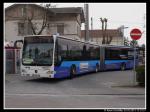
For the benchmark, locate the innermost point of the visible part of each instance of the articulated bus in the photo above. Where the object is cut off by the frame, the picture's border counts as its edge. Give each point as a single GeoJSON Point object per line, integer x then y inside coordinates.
{"type": "Point", "coordinates": [59, 57]}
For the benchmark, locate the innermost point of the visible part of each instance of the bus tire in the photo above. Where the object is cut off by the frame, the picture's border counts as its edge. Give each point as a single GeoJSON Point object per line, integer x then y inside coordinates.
{"type": "Point", "coordinates": [123, 66]}
{"type": "Point", "coordinates": [97, 68]}
{"type": "Point", "coordinates": [72, 71]}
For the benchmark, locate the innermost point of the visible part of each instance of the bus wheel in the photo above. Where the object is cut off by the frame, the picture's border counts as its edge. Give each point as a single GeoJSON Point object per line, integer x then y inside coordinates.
{"type": "Point", "coordinates": [97, 68]}
{"type": "Point", "coordinates": [123, 66]}
{"type": "Point", "coordinates": [72, 71]}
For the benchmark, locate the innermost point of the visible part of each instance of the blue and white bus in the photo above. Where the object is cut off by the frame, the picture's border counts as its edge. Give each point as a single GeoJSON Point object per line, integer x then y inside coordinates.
{"type": "Point", "coordinates": [118, 57]}
{"type": "Point", "coordinates": [59, 57]}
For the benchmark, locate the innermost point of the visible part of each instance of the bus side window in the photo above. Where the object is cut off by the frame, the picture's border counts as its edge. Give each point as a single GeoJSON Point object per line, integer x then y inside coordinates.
{"type": "Point", "coordinates": [63, 52]}
{"type": "Point", "coordinates": [107, 53]}
{"type": "Point", "coordinates": [131, 54]}
{"type": "Point", "coordinates": [84, 51]}
{"type": "Point", "coordinates": [74, 51]}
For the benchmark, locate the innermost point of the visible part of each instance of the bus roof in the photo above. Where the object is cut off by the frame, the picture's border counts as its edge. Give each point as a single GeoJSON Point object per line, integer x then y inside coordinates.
{"type": "Point", "coordinates": [88, 42]}
{"type": "Point", "coordinates": [63, 38]}
{"type": "Point", "coordinates": [116, 46]}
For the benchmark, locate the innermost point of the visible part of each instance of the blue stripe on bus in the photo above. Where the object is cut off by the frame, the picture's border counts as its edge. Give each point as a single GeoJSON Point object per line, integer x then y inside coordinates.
{"type": "Point", "coordinates": [64, 69]}
{"type": "Point", "coordinates": [116, 64]}
{"type": "Point", "coordinates": [77, 63]}
{"type": "Point", "coordinates": [115, 61]}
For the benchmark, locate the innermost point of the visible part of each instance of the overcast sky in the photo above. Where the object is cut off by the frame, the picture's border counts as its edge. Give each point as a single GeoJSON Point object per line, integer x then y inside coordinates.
{"type": "Point", "coordinates": [130, 15]}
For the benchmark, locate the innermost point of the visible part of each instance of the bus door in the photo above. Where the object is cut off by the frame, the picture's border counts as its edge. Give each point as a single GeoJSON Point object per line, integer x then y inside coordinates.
{"type": "Point", "coordinates": [102, 58]}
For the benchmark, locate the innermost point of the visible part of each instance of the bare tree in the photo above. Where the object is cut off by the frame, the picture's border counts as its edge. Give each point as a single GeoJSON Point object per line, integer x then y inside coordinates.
{"type": "Point", "coordinates": [109, 39]}
{"type": "Point", "coordinates": [105, 32]}
{"type": "Point", "coordinates": [106, 38]}
{"type": "Point", "coordinates": [34, 25]}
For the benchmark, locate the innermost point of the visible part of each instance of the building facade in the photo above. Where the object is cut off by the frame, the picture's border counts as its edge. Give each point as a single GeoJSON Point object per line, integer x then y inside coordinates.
{"type": "Point", "coordinates": [65, 21]}
{"type": "Point", "coordinates": [97, 36]}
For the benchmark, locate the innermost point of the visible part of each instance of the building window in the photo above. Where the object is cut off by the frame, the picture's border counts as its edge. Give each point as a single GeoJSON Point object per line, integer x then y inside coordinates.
{"type": "Point", "coordinates": [29, 29]}
{"type": "Point", "coordinates": [21, 27]}
{"type": "Point", "coordinates": [60, 29]}
{"type": "Point", "coordinates": [22, 12]}
{"type": "Point", "coordinates": [78, 31]}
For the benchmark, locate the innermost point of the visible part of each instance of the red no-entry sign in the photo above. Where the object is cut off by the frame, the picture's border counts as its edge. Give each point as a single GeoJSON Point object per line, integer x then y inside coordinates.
{"type": "Point", "coordinates": [135, 34]}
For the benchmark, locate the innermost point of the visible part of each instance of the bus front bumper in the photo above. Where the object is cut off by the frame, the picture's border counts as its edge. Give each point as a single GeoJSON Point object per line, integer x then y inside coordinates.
{"type": "Point", "coordinates": [38, 72]}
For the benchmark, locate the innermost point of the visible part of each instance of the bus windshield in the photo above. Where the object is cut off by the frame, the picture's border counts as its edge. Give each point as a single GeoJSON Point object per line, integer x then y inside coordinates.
{"type": "Point", "coordinates": [38, 51]}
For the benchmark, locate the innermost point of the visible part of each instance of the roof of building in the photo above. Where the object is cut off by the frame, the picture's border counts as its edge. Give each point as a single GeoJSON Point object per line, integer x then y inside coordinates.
{"type": "Point", "coordinates": [69, 10]}
{"type": "Point", "coordinates": [16, 4]}
{"type": "Point", "coordinates": [99, 34]}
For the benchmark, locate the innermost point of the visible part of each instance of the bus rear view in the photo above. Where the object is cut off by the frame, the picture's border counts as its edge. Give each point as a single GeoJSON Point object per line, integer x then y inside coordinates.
{"type": "Point", "coordinates": [37, 56]}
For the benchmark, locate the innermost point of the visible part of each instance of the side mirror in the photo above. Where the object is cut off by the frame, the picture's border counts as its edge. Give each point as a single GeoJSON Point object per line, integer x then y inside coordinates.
{"type": "Point", "coordinates": [17, 41]}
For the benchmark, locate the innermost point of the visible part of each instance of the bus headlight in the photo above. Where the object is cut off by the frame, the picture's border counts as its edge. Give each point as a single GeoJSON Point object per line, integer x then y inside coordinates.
{"type": "Point", "coordinates": [51, 72]}
{"type": "Point", "coordinates": [48, 72]}
{"type": "Point", "coordinates": [23, 70]}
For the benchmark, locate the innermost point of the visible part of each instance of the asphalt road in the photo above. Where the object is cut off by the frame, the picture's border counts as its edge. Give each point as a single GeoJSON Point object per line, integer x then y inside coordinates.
{"type": "Point", "coordinates": [113, 89]}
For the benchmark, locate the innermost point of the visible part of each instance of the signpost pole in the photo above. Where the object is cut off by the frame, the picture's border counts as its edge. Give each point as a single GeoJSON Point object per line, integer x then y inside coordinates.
{"type": "Point", "coordinates": [134, 79]}
{"type": "Point", "coordinates": [135, 35]}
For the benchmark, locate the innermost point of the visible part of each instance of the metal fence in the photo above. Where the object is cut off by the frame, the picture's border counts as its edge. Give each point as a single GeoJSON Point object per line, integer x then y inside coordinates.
{"type": "Point", "coordinates": [12, 60]}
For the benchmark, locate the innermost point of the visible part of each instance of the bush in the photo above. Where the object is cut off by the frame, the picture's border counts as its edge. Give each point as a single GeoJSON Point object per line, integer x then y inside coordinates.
{"type": "Point", "coordinates": [140, 75]}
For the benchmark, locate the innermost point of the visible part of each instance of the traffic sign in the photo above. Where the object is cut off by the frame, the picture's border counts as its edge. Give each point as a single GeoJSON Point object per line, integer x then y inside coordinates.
{"type": "Point", "coordinates": [135, 34]}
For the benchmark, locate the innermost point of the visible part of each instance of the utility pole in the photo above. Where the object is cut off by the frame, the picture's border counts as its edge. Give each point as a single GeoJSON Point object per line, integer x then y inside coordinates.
{"type": "Point", "coordinates": [144, 26]}
{"type": "Point", "coordinates": [91, 29]}
{"type": "Point", "coordinates": [122, 30]}
{"type": "Point", "coordinates": [86, 9]}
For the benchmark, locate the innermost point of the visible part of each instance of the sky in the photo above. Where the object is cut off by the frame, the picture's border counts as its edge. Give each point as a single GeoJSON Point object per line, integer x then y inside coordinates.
{"type": "Point", "coordinates": [131, 15]}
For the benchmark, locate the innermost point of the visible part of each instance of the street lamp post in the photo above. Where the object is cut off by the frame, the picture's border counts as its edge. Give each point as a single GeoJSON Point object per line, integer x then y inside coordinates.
{"type": "Point", "coordinates": [122, 30]}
